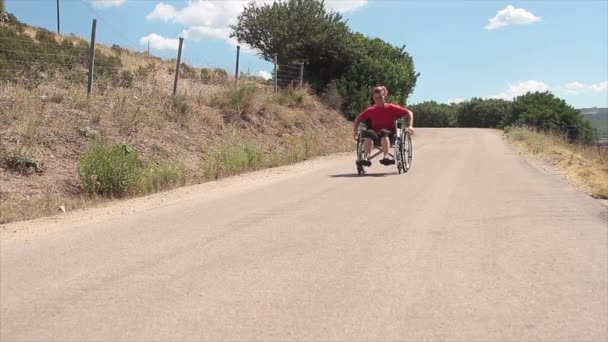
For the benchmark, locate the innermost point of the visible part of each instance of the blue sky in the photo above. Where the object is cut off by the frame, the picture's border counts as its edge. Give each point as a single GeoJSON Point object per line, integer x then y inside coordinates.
{"type": "Point", "coordinates": [461, 48]}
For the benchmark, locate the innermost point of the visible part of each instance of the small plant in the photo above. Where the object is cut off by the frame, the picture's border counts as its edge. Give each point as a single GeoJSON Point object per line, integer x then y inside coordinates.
{"type": "Point", "coordinates": [185, 71]}
{"type": "Point", "coordinates": [232, 158]}
{"type": "Point", "coordinates": [90, 133]}
{"type": "Point", "coordinates": [125, 80]}
{"type": "Point", "coordinates": [116, 49]}
{"type": "Point", "coordinates": [112, 170]}
{"type": "Point", "coordinates": [45, 36]}
{"type": "Point", "coordinates": [161, 175]}
{"type": "Point", "coordinates": [180, 105]}
{"type": "Point", "coordinates": [214, 76]}
{"type": "Point", "coordinates": [238, 100]}
{"type": "Point", "coordinates": [20, 162]}
{"type": "Point", "coordinates": [292, 97]}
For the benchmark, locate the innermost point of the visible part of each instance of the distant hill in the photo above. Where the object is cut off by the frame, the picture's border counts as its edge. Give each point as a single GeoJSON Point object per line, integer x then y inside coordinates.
{"type": "Point", "coordinates": [598, 117]}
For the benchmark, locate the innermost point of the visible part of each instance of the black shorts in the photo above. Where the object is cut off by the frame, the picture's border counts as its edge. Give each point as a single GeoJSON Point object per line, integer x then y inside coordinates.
{"type": "Point", "coordinates": [376, 136]}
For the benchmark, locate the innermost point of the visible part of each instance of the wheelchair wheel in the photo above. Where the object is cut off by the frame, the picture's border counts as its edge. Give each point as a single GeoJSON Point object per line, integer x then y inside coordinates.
{"type": "Point", "coordinates": [400, 155]}
{"type": "Point", "coordinates": [407, 151]}
{"type": "Point", "coordinates": [360, 156]}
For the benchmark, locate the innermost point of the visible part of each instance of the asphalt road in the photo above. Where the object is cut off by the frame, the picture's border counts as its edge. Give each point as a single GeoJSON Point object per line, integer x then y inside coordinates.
{"type": "Point", "coordinates": [473, 244]}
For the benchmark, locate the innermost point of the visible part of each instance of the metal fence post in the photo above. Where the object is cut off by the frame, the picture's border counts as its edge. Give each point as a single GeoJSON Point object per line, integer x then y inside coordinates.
{"type": "Point", "coordinates": [301, 74]}
{"type": "Point", "coordinates": [92, 58]}
{"type": "Point", "coordinates": [179, 59]}
{"type": "Point", "coordinates": [276, 71]}
{"type": "Point", "coordinates": [597, 141]}
{"type": "Point", "coordinates": [58, 22]}
{"type": "Point", "coordinates": [236, 75]}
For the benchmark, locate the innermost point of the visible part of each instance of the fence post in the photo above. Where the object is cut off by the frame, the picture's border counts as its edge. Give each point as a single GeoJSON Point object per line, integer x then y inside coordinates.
{"type": "Point", "coordinates": [92, 58]}
{"type": "Point", "coordinates": [236, 74]}
{"type": "Point", "coordinates": [58, 25]}
{"type": "Point", "coordinates": [301, 74]}
{"type": "Point", "coordinates": [276, 75]}
{"type": "Point", "coordinates": [179, 59]}
{"type": "Point", "coordinates": [597, 142]}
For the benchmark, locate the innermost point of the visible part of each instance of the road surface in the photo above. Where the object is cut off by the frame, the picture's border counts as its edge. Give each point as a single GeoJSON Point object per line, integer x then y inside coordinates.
{"type": "Point", "coordinates": [474, 244]}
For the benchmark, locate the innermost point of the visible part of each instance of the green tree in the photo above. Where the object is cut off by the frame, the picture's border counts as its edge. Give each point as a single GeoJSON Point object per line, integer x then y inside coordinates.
{"type": "Point", "coordinates": [433, 114]}
{"type": "Point", "coordinates": [548, 112]}
{"type": "Point", "coordinates": [351, 63]}
{"type": "Point", "coordinates": [487, 113]}
{"type": "Point", "coordinates": [297, 30]}
{"type": "Point", "coordinates": [376, 62]}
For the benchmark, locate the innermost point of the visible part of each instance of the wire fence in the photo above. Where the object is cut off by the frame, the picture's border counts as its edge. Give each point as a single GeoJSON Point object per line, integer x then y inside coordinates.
{"type": "Point", "coordinates": [33, 61]}
{"type": "Point", "coordinates": [576, 133]}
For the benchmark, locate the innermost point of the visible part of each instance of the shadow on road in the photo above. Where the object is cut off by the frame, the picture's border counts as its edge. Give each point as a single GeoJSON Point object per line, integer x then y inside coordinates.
{"type": "Point", "coordinates": [354, 175]}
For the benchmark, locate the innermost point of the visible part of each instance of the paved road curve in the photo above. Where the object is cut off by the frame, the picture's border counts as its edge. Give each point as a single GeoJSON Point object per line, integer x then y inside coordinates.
{"type": "Point", "coordinates": [473, 244]}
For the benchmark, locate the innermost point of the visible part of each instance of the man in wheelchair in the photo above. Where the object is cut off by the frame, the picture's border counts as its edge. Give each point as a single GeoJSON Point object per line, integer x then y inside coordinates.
{"type": "Point", "coordinates": [380, 121]}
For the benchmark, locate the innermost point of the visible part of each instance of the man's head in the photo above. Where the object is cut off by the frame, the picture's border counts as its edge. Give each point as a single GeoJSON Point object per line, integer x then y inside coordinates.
{"type": "Point", "coordinates": [379, 94]}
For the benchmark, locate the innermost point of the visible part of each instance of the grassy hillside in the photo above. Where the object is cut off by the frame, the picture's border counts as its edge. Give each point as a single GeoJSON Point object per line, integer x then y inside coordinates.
{"type": "Point", "coordinates": [60, 149]}
{"type": "Point", "coordinates": [583, 165]}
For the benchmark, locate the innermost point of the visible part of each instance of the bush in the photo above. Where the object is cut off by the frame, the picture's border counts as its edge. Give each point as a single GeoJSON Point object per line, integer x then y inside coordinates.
{"type": "Point", "coordinates": [20, 162]}
{"type": "Point", "coordinates": [185, 71]}
{"type": "Point", "coordinates": [292, 97]}
{"type": "Point", "coordinates": [485, 113]}
{"type": "Point", "coordinates": [237, 100]}
{"type": "Point", "coordinates": [433, 114]}
{"type": "Point", "coordinates": [180, 104]}
{"type": "Point", "coordinates": [376, 62]}
{"type": "Point", "coordinates": [231, 158]}
{"type": "Point", "coordinates": [125, 80]}
{"type": "Point", "coordinates": [161, 175]}
{"type": "Point", "coordinates": [214, 76]}
{"type": "Point", "coordinates": [112, 170]}
{"type": "Point", "coordinates": [45, 36]}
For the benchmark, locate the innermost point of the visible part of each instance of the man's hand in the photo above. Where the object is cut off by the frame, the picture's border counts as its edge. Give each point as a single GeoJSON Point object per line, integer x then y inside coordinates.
{"type": "Point", "coordinates": [355, 135]}
{"type": "Point", "coordinates": [411, 129]}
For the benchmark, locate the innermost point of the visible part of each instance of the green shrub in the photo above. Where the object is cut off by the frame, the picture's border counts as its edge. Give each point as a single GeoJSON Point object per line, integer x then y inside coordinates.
{"type": "Point", "coordinates": [232, 158]}
{"type": "Point", "coordinates": [180, 105]}
{"type": "Point", "coordinates": [112, 170]}
{"type": "Point", "coordinates": [242, 97]}
{"type": "Point", "coordinates": [161, 175]}
{"type": "Point", "coordinates": [292, 97]}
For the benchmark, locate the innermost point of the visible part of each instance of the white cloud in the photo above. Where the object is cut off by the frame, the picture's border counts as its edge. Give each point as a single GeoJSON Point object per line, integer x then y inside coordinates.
{"type": "Point", "coordinates": [197, 33]}
{"type": "Point", "coordinates": [265, 75]}
{"type": "Point", "coordinates": [599, 87]}
{"type": "Point", "coordinates": [107, 3]}
{"type": "Point", "coordinates": [345, 6]}
{"type": "Point", "coordinates": [456, 100]}
{"type": "Point", "coordinates": [511, 16]}
{"type": "Point", "coordinates": [159, 42]}
{"type": "Point", "coordinates": [578, 87]}
{"type": "Point", "coordinates": [162, 12]}
{"type": "Point", "coordinates": [521, 88]}
{"type": "Point", "coordinates": [211, 19]}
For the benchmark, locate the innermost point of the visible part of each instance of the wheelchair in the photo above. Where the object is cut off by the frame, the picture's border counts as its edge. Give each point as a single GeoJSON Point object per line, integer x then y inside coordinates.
{"type": "Point", "coordinates": [400, 144]}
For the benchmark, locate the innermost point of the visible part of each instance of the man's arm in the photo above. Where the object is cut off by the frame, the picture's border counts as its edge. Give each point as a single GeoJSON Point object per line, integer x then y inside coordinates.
{"type": "Point", "coordinates": [410, 114]}
{"type": "Point", "coordinates": [403, 111]}
{"type": "Point", "coordinates": [364, 115]}
{"type": "Point", "coordinates": [356, 126]}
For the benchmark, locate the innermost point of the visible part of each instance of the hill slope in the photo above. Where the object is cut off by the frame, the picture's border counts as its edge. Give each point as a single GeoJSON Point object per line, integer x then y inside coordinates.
{"type": "Point", "coordinates": [210, 130]}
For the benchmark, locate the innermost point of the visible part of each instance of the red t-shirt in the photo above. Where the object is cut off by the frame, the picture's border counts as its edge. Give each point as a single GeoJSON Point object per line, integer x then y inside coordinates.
{"type": "Point", "coordinates": [382, 117]}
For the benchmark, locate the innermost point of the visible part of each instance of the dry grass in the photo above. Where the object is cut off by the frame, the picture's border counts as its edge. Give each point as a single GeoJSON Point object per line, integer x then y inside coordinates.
{"type": "Point", "coordinates": [584, 165]}
{"type": "Point", "coordinates": [211, 130]}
